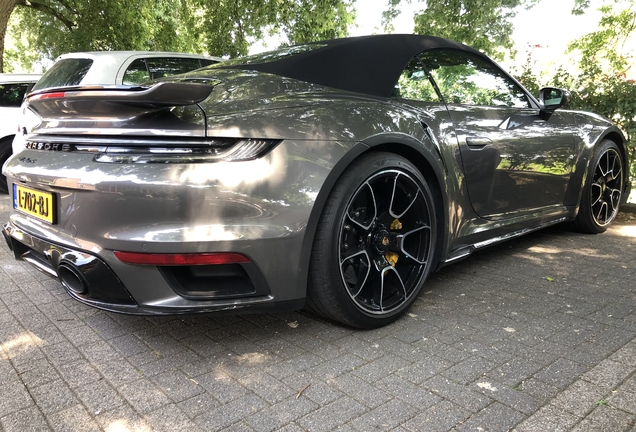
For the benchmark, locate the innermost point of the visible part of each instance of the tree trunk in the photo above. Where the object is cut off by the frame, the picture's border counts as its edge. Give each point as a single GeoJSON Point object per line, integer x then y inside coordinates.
{"type": "Point", "coordinates": [6, 7]}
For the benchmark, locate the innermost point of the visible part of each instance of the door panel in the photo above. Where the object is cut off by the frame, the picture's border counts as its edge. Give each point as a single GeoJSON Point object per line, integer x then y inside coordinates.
{"type": "Point", "coordinates": [514, 161]}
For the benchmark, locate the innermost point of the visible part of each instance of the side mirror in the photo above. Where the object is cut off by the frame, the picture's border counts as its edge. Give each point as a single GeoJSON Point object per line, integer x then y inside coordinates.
{"type": "Point", "coordinates": [552, 98]}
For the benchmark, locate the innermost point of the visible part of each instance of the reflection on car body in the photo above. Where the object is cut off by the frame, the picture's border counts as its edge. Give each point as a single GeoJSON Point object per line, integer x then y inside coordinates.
{"type": "Point", "coordinates": [277, 181]}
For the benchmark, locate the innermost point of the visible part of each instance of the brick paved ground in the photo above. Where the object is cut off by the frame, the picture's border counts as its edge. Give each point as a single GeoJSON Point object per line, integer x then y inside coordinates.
{"type": "Point", "coordinates": [536, 334]}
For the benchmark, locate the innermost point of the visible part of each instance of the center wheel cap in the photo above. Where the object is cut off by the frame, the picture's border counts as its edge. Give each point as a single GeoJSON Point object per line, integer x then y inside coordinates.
{"type": "Point", "coordinates": [381, 241]}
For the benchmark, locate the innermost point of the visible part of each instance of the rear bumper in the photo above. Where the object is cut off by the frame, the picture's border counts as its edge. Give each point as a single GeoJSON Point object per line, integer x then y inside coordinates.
{"type": "Point", "coordinates": [90, 280]}
{"type": "Point", "coordinates": [85, 276]}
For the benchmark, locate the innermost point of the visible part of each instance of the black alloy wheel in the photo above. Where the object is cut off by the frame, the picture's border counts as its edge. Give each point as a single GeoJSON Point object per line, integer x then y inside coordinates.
{"type": "Point", "coordinates": [602, 194]}
{"type": "Point", "coordinates": [375, 243]}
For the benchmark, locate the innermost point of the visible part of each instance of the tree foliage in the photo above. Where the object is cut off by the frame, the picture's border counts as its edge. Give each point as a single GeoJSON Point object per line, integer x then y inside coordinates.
{"type": "Point", "coordinates": [600, 85]}
{"type": "Point", "coordinates": [218, 27]}
{"type": "Point", "coordinates": [229, 27]}
{"type": "Point", "coordinates": [483, 24]}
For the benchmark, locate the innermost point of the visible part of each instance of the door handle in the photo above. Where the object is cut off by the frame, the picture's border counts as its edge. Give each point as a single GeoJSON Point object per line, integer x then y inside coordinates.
{"type": "Point", "coordinates": [478, 142]}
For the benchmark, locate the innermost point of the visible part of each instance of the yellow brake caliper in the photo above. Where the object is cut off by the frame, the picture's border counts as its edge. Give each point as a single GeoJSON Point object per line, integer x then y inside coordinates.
{"type": "Point", "coordinates": [392, 257]}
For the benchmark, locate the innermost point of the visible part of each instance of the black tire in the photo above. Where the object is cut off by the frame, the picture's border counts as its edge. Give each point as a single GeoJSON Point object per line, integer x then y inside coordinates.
{"type": "Point", "coordinates": [352, 278]}
{"type": "Point", "coordinates": [602, 191]}
{"type": "Point", "coordinates": [5, 153]}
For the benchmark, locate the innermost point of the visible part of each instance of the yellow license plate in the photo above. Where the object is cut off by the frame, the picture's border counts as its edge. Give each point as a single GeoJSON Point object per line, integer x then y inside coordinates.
{"type": "Point", "coordinates": [37, 203]}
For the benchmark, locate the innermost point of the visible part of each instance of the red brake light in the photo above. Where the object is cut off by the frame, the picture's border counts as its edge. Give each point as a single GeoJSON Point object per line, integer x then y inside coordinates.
{"type": "Point", "coordinates": [55, 95]}
{"type": "Point", "coordinates": [181, 259]}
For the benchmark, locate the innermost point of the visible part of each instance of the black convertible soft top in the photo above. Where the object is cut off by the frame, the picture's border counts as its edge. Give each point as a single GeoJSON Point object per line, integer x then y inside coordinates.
{"type": "Point", "coordinates": [365, 64]}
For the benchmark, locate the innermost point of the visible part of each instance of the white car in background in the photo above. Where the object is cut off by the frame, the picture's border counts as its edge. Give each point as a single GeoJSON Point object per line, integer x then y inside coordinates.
{"type": "Point", "coordinates": [109, 68]}
{"type": "Point", "coordinates": [13, 87]}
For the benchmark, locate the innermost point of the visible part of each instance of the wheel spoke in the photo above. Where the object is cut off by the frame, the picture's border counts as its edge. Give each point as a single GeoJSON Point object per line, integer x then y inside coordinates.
{"type": "Point", "coordinates": [363, 262]}
{"type": "Point", "coordinates": [597, 193]}
{"type": "Point", "coordinates": [383, 274]}
{"type": "Point", "coordinates": [355, 213]}
{"type": "Point", "coordinates": [400, 245]}
{"type": "Point", "coordinates": [391, 211]}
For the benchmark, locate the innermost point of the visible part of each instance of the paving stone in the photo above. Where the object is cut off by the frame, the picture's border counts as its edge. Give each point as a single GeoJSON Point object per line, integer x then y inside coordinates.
{"type": "Point", "coordinates": [580, 398]}
{"type": "Point", "coordinates": [54, 397]}
{"type": "Point", "coordinates": [623, 400]}
{"type": "Point", "coordinates": [37, 372]}
{"type": "Point", "coordinates": [424, 369]}
{"type": "Point", "coordinates": [469, 370]}
{"type": "Point", "coordinates": [238, 427]}
{"type": "Point", "coordinates": [457, 393]}
{"type": "Point", "coordinates": [364, 349]}
{"type": "Point", "coordinates": [515, 371]}
{"type": "Point", "coordinates": [332, 368]}
{"type": "Point", "coordinates": [511, 397]}
{"type": "Point", "coordinates": [608, 373]}
{"type": "Point", "coordinates": [118, 372]}
{"type": "Point", "coordinates": [313, 388]}
{"type": "Point", "coordinates": [332, 415]}
{"type": "Point", "coordinates": [605, 418]}
{"type": "Point", "coordinates": [407, 392]}
{"type": "Point", "coordinates": [78, 373]}
{"type": "Point", "coordinates": [177, 386]}
{"type": "Point", "coordinates": [495, 417]}
{"type": "Point", "coordinates": [493, 354]}
{"type": "Point", "coordinates": [548, 418]}
{"type": "Point", "coordinates": [27, 419]}
{"type": "Point", "coordinates": [561, 373]}
{"type": "Point", "coordinates": [278, 415]}
{"type": "Point", "coordinates": [143, 395]}
{"type": "Point", "coordinates": [440, 417]}
{"type": "Point", "coordinates": [123, 418]}
{"type": "Point", "coordinates": [358, 389]}
{"type": "Point", "coordinates": [199, 404]}
{"type": "Point", "coordinates": [267, 387]}
{"type": "Point", "coordinates": [222, 386]}
{"type": "Point", "coordinates": [73, 419]}
{"type": "Point", "coordinates": [99, 397]}
{"type": "Point", "coordinates": [385, 417]}
{"type": "Point", "coordinates": [625, 355]}
{"type": "Point", "coordinates": [380, 368]}
{"type": "Point", "coordinates": [291, 366]}
{"type": "Point", "coordinates": [231, 412]}
{"type": "Point", "coordinates": [169, 418]}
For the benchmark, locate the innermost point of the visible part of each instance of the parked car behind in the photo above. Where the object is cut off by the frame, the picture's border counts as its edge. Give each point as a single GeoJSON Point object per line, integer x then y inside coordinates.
{"type": "Point", "coordinates": [109, 68]}
{"type": "Point", "coordinates": [13, 87]}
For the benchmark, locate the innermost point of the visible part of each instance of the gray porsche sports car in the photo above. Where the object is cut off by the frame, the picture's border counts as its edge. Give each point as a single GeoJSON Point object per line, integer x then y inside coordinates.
{"type": "Point", "coordinates": [334, 175]}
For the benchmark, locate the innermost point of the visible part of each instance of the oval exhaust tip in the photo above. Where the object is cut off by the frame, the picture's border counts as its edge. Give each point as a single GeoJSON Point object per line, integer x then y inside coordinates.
{"type": "Point", "coordinates": [72, 279]}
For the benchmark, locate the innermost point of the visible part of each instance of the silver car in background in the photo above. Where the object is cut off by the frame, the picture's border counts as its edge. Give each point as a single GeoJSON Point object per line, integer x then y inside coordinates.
{"type": "Point", "coordinates": [334, 175]}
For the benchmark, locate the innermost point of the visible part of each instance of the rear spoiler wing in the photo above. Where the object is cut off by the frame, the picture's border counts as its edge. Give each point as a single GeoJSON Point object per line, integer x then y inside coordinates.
{"type": "Point", "coordinates": [163, 94]}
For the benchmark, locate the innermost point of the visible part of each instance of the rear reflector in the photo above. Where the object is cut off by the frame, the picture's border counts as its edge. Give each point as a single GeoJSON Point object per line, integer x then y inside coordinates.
{"type": "Point", "coordinates": [181, 259]}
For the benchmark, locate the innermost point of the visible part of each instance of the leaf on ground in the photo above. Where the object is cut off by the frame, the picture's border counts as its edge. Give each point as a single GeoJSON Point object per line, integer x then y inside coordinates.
{"type": "Point", "coordinates": [550, 279]}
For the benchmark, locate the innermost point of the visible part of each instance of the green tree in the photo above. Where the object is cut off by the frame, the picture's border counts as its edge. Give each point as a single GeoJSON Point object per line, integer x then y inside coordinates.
{"type": "Point", "coordinates": [229, 28]}
{"type": "Point", "coordinates": [602, 86]}
{"type": "Point", "coordinates": [219, 27]}
{"type": "Point", "coordinates": [483, 24]}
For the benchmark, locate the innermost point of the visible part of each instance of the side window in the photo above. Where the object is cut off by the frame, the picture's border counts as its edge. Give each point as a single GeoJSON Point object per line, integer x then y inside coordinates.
{"type": "Point", "coordinates": [136, 73]}
{"type": "Point", "coordinates": [466, 79]}
{"type": "Point", "coordinates": [414, 84]}
{"type": "Point", "coordinates": [165, 67]}
{"type": "Point", "coordinates": [11, 95]}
